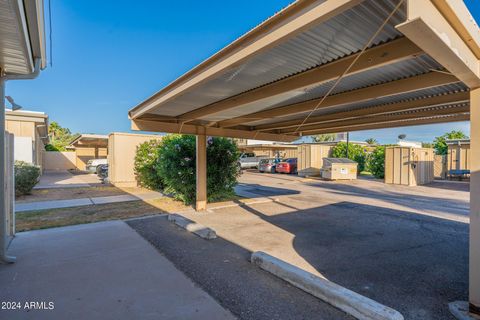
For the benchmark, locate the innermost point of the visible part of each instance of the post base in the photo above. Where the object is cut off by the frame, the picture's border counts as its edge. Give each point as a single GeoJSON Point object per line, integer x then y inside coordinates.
{"type": "Point", "coordinates": [461, 311]}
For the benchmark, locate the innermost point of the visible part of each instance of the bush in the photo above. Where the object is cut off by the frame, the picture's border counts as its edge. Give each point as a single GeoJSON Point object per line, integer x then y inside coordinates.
{"type": "Point", "coordinates": [176, 167]}
{"type": "Point", "coordinates": [26, 177]}
{"type": "Point", "coordinates": [146, 161]}
{"type": "Point", "coordinates": [355, 153]}
{"type": "Point", "coordinates": [376, 162]}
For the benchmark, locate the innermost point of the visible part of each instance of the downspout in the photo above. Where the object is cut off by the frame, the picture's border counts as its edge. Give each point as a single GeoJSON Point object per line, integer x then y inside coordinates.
{"type": "Point", "coordinates": [4, 258]}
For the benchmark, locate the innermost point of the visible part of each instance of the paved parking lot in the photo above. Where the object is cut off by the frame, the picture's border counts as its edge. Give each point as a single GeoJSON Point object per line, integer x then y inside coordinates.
{"type": "Point", "coordinates": [405, 247]}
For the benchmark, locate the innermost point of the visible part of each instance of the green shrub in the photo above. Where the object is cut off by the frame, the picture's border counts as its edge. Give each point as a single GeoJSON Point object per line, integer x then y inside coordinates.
{"type": "Point", "coordinates": [146, 160]}
{"type": "Point", "coordinates": [26, 177]}
{"type": "Point", "coordinates": [51, 147]}
{"type": "Point", "coordinates": [176, 167]}
{"type": "Point", "coordinates": [355, 153]}
{"type": "Point", "coordinates": [376, 162]}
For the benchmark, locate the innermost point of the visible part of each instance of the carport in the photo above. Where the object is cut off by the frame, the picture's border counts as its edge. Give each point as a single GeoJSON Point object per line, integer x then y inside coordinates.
{"type": "Point", "coordinates": [334, 66]}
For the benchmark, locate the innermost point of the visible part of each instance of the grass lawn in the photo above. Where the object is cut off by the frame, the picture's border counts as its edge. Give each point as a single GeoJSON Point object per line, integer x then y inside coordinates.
{"type": "Point", "coordinates": [41, 219]}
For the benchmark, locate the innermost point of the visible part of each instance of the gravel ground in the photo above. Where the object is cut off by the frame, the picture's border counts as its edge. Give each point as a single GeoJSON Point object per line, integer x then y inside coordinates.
{"type": "Point", "coordinates": [224, 271]}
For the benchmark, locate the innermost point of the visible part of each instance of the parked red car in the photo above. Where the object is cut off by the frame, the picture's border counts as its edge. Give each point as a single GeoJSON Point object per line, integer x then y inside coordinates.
{"type": "Point", "coordinates": [287, 166]}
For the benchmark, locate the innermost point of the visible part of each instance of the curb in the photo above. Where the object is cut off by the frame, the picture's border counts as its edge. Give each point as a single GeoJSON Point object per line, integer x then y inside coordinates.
{"type": "Point", "coordinates": [191, 226]}
{"type": "Point", "coordinates": [459, 309]}
{"type": "Point", "coordinates": [346, 300]}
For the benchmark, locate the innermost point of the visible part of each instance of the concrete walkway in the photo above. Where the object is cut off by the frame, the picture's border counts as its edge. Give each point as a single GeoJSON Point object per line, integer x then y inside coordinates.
{"type": "Point", "coordinates": [56, 204]}
{"type": "Point", "coordinates": [99, 271]}
{"type": "Point", "coordinates": [63, 179]}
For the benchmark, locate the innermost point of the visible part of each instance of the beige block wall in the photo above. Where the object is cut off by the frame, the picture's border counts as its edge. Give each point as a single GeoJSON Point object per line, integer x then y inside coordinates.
{"type": "Point", "coordinates": [121, 157]}
{"type": "Point", "coordinates": [27, 129]}
{"type": "Point", "coordinates": [53, 160]}
{"type": "Point", "coordinates": [21, 128]}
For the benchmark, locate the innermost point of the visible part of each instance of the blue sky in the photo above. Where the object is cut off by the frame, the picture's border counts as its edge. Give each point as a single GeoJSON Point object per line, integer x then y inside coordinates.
{"type": "Point", "coordinates": [110, 55]}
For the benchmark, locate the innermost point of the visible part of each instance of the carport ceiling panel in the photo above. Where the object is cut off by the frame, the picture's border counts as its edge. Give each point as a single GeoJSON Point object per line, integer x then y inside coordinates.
{"type": "Point", "coordinates": [440, 90]}
{"type": "Point", "coordinates": [392, 72]}
{"type": "Point", "coordinates": [340, 36]}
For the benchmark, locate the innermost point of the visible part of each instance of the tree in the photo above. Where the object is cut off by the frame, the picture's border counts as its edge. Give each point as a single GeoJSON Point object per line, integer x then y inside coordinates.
{"type": "Point", "coordinates": [59, 137]}
{"type": "Point", "coordinates": [355, 153]}
{"type": "Point", "coordinates": [323, 137]}
{"type": "Point", "coordinates": [376, 162]}
{"type": "Point", "coordinates": [440, 145]}
{"type": "Point", "coordinates": [371, 141]}
{"type": "Point", "coordinates": [176, 167]}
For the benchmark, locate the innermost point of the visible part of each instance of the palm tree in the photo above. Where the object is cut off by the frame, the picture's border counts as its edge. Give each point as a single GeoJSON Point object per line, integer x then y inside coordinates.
{"type": "Point", "coordinates": [371, 141]}
{"type": "Point", "coordinates": [323, 137]}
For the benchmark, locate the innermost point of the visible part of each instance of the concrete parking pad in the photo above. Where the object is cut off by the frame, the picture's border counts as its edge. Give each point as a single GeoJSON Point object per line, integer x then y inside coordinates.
{"type": "Point", "coordinates": [99, 271]}
{"type": "Point", "coordinates": [64, 179]}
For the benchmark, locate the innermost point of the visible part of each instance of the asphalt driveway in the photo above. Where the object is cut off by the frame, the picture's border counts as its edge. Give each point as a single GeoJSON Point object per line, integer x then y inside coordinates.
{"type": "Point", "coordinates": [404, 247]}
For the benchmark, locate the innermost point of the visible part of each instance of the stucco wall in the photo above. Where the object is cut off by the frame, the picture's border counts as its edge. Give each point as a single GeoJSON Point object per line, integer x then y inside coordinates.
{"type": "Point", "coordinates": [53, 160]}
{"type": "Point", "coordinates": [121, 156]}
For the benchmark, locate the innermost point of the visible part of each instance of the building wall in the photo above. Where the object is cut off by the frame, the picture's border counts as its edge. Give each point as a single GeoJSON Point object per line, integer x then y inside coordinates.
{"type": "Point", "coordinates": [121, 157]}
{"type": "Point", "coordinates": [56, 160]}
{"type": "Point", "coordinates": [26, 129]}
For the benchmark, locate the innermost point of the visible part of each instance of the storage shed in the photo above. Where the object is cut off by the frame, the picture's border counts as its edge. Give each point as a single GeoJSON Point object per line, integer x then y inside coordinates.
{"type": "Point", "coordinates": [458, 156]}
{"type": "Point", "coordinates": [310, 158]}
{"type": "Point", "coordinates": [409, 166]}
{"type": "Point", "coordinates": [339, 169]}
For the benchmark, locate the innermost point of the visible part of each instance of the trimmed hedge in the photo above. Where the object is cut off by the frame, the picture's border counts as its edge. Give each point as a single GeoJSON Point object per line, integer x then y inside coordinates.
{"type": "Point", "coordinates": [171, 164]}
{"type": "Point", "coordinates": [376, 162]}
{"type": "Point", "coordinates": [26, 177]}
{"type": "Point", "coordinates": [146, 160]}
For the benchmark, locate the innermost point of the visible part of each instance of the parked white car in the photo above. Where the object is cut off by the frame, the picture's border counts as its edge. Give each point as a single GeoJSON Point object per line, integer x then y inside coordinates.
{"type": "Point", "coordinates": [249, 160]}
{"type": "Point", "coordinates": [93, 164]}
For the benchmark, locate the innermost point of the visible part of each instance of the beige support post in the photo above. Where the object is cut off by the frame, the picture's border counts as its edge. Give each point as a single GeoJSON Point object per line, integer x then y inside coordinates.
{"type": "Point", "coordinates": [201, 170]}
{"type": "Point", "coordinates": [474, 294]}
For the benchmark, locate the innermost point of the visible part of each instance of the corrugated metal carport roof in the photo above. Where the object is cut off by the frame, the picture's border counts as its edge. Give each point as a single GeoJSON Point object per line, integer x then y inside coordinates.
{"type": "Point", "coordinates": [266, 85]}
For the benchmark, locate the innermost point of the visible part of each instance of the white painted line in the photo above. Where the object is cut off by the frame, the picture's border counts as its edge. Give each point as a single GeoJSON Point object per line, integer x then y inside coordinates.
{"type": "Point", "coordinates": [344, 299]}
{"type": "Point", "coordinates": [191, 226]}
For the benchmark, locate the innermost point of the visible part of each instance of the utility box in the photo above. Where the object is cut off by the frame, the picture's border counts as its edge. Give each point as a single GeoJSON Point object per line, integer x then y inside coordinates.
{"type": "Point", "coordinates": [409, 166]}
{"type": "Point", "coordinates": [310, 158]}
{"type": "Point", "coordinates": [339, 169]}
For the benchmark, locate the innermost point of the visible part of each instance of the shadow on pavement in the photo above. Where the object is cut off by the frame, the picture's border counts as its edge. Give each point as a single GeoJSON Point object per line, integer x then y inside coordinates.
{"type": "Point", "coordinates": [412, 263]}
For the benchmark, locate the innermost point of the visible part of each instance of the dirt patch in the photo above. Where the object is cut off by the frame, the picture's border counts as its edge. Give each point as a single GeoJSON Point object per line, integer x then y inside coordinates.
{"type": "Point", "coordinates": [69, 193]}
{"type": "Point", "coordinates": [42, 219]}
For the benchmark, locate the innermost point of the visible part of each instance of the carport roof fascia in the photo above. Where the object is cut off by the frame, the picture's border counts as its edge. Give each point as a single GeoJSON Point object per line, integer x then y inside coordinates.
{"type": "Point", "coordinates": [276, 21]}
{"type": "Point", "coordinates": [150, 107]}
